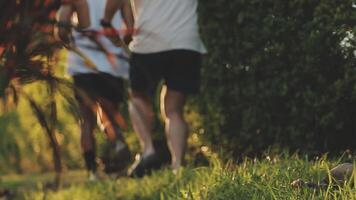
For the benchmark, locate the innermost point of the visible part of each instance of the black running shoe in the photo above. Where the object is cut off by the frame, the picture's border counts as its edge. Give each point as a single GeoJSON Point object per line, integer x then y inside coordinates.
{"type": "Point", "coordinates": [144, 165]}
{"type": "Point", "coordinates": [116, 158]}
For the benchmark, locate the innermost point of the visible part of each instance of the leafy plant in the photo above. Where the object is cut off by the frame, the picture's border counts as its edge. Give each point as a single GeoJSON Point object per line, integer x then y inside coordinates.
{"type": "Point", "coordinates": [26, 48]}
{"type": "Point", "coordinates": [278, 74]}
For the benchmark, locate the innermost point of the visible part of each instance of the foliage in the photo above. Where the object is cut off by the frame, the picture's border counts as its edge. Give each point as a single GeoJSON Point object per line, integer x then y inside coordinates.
{"type": "Point", "coordinates": [24, 146]}
{"type": "Point", "coordinates": [267, 178]}
{"type": "Point", "coordinates": [32, 81]}
{"type": "Point", "coordinates": [279, 73]}
{"type": "Point", "coordinates": [27, 47]}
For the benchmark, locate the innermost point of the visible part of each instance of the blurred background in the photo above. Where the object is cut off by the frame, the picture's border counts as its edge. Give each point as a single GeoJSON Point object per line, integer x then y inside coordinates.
{"type": "Point", "coordinates": [280, 75]}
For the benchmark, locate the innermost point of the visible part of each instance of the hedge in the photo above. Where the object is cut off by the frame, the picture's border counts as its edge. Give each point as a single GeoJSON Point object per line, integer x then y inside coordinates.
{"type": "Point", "coordinates": [279, 73]}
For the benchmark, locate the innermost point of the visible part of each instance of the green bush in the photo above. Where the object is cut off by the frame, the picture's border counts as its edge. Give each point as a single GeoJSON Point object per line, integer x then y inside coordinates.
{"type": "Point", "coordinates": [279, 73]}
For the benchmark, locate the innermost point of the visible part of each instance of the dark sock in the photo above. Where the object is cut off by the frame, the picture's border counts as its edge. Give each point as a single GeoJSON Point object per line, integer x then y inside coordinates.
{"type": "Point", "coordinates": [89, 157]}
{"type": "Point", "coordinates": [118, 134]}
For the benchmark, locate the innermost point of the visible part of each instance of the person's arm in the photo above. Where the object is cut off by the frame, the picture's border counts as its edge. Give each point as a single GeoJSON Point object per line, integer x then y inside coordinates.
{"type": "Point", "coordinates": [126, 12]}
{"type": "Point", "coordinates": [110, 9]}
{"type": "Point", "coordinates": [127, 16]}
{"type": "Point", "coordinates": [64, 18]}
{"type": "Point", "coordinates": [82, 9]}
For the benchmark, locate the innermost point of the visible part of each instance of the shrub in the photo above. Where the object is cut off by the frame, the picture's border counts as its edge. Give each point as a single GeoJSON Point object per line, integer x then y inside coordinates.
{"type": "Point", "coordinates": [279, 73]}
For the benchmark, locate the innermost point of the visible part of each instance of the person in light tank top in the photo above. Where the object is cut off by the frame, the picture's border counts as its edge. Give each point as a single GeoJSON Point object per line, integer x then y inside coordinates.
{"type": "Point", "coordinates": [166, 47]}
{"type": "Point", "coordinates": [100, 91]}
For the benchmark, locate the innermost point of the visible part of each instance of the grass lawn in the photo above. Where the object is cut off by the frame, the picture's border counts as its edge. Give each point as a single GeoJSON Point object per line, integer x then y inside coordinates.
{"type": "Point", "coordinates": [267, 178]}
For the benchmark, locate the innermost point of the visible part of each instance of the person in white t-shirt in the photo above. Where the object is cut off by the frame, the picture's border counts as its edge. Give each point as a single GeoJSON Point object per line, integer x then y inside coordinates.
{"type": "Point", "coordinates": [99, 91]}
{"type": "Point", "coordinates": [166, 46]}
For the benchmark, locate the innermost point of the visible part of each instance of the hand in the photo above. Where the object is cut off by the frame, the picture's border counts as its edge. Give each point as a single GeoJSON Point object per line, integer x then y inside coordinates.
{"type": "Point", "coordinates": [111, 33]}
{"type": "Point", "coordinates": [105, 23]}
{"type": "Point", "coordinates": [127, 39]}
{"type": "Point", "coordinates": [64, 35]}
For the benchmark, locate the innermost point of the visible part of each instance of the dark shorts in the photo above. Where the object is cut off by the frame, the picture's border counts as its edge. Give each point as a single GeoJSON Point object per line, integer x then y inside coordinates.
{"type": "Point", "coordinates": [179, 69]}
{"type": "Point", "coordinates": [100, 85]}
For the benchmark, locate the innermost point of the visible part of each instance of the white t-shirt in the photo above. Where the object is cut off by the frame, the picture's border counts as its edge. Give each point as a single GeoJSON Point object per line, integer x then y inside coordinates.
{"type": "Point", "coordinates": [76, 64]}
{"type": "Point", "coordinates": [163, 25]}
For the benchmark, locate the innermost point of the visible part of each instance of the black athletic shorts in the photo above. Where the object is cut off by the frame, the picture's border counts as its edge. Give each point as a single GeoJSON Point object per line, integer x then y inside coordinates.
{"type": "Point", "coordinates": [101, 85]}
{"type": "Point", "coordinates": [179, 69]}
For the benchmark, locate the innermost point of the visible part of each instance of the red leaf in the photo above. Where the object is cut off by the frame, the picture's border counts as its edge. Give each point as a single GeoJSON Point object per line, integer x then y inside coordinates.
{"type": "Point", "coordinates": [2, 50]}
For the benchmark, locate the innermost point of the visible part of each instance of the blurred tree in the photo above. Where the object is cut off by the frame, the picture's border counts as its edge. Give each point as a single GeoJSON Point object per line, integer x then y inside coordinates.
{"type": "Point", "coordinates": [26, 47]}
{"type": "Point", "coordinates": [279, 73]}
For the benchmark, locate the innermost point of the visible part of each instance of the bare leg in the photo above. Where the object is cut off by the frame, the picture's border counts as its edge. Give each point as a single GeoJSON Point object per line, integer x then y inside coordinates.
{"type": "Point", "coordinates": [141, 115]}
{"type": "Point", "coordinates": [118, 157]}
{"type": "Point", "coordinates": [87, 139]}
{"type": "Point", "coordinates": [111, 120]}
{"type": "Point", "coordinates": [87, 124]}
{"type": "Point", "coordinates": [172, 104]}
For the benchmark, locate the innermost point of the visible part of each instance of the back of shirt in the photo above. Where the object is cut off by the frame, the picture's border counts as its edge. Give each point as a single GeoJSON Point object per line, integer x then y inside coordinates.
{"type": "Point", "coordinates": [76, 64]}
{"type": "Point", "coordinates": [166, 25]}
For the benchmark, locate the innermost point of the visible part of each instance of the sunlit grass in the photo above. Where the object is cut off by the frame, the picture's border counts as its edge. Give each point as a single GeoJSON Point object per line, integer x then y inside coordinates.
{"type": "Point", "coordinates": [258, 179]}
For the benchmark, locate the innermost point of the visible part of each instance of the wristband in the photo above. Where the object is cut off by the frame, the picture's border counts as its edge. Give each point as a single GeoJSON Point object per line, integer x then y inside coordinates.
{"type": "Point", "coordinates": [105, 23]}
